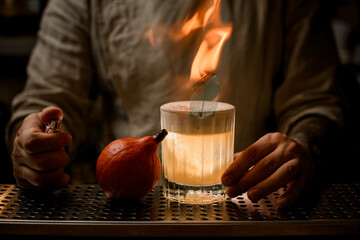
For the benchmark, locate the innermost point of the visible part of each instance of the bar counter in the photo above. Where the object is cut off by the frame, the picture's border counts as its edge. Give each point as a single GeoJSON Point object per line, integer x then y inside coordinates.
{"type": "Point", "coordinates": [83, 210]}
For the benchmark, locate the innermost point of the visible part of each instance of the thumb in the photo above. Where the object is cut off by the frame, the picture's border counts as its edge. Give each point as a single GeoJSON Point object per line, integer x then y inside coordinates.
{"type": "Point", "coordinates": [50, 113]}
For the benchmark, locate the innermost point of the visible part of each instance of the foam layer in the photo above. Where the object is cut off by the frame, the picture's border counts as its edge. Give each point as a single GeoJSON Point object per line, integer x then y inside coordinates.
{"type": "Point", "coordinates": [184, 106]}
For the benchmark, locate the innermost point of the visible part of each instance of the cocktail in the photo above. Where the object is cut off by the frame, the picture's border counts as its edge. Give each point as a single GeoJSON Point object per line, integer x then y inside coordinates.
{"type": "Point", "coordinates": [196, 151]}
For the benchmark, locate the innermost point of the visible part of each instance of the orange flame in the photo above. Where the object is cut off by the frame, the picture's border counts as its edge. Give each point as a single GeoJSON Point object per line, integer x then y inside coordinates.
{"type": "Point", "coordinates": [216, 33]}
{"type": "Point", "coordinates": [208, 55]}
{"type": "Point", "coordinates": [190, 25]}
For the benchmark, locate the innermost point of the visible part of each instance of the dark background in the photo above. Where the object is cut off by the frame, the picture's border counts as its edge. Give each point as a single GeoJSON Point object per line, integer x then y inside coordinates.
{"type": "Point", "coordinates": [19, 22]}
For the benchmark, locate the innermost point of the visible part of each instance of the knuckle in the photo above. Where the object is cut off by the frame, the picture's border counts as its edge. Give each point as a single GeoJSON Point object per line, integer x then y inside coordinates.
{"type": "Point", "coordinates": [17, 162]}
{"type": "Point", "coordinates": [40, 166]}
{"type": "Point", "coordinates": [15, 154]}
{"type": "Point", "coordinates": [268, 164]}
{"type": "Point", "coordinates": [29, 143]}
{"type": "Point", "coordinates": [290, 171]}
{"type": "Point", "coordinates": [252, 153]}
{"type": "Point", "coordinates": [38, 180]}
{"type": "Point", "coordinates": [16, 171]}
{"type": "Point", "coordinates": [291, 147]}
{"type": "Point", "coordinates": [277, 136]}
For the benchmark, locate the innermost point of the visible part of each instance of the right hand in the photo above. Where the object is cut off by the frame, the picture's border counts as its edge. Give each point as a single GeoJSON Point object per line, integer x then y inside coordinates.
{"type": "Point", "coordinates": [38, 157]}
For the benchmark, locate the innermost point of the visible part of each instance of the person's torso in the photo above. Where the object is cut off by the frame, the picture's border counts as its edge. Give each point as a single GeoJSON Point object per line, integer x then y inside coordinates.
{"type": "Point", "coordinates": [147, 73]}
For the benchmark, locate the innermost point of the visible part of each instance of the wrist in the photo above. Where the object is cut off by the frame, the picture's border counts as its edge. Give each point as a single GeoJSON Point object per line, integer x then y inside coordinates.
{"type": "Point", "coordinates": [317, 133]}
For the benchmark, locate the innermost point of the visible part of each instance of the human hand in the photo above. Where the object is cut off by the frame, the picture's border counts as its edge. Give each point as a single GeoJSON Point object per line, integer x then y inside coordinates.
{"type": "Point", "coordinates": [38, 157]}
{"type": "Point", "coordinates": [273, 161]}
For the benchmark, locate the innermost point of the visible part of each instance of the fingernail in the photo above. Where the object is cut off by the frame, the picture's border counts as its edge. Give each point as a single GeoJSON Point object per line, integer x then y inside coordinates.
{"type": "Point", "coordinates": [226, 181]}
{"type": "Point", "coordinates": [230, 193]}
{"type": "Point", "coordinates": [254, 194]}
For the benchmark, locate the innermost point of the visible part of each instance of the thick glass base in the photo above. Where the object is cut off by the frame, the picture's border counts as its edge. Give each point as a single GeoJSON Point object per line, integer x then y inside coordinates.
{"type": "Point", "coordinates": [194, 194]}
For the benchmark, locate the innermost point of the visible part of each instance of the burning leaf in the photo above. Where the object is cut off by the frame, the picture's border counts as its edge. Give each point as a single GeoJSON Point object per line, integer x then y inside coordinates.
{"type": "Point", "coordinates": [206, 86]}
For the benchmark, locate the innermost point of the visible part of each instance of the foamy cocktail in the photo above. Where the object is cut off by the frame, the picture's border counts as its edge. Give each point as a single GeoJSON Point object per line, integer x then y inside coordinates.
{"type": "Point", "coordinates": [196, 151]}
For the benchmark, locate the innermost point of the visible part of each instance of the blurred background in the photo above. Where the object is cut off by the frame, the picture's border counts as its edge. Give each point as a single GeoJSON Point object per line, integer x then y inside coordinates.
{"type": "Point", "coordinates": [19, 23]}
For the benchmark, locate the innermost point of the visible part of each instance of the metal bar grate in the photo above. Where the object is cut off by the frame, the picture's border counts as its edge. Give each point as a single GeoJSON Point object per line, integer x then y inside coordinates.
{"type": "Point", "coordinates": [87, 203]}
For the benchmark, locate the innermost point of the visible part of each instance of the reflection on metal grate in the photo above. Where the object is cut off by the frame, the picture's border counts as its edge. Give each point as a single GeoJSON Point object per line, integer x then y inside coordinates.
{"type": "Point", "coordinates": [88, 203]}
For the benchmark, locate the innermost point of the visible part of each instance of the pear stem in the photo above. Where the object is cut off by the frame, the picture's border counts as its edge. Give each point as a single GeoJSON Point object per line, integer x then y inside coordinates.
{"type": "Point", "coordinates": [160, 136]}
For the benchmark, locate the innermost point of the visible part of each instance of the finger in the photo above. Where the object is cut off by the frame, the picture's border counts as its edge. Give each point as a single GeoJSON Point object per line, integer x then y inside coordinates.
{"type": "Point", "coordinates": [42, 180]}
{"type": "Point", "coordinates": [32, 122]}
{"type": "Point", "coordinates": [237, 168]}
{"type": "Point", "coordinates": [46, 161]}
{"type": "Point", "coordinates": [293, 191]}
{"type": "Point", "coordinates": [17, 171]}
{"type": "Point", "coordinates": [264, 168]}
{"type": "Point", "coordinates": [23, 183]}
{"type": "Point", "coordinates": [236, 155]}
{"type": "Point", "coordinates": [285, 174]}
{"type": "Point", "coordinates": [50, 113]}
{"type": "Point", "coordinates": [36, 142]}
{"type": "Point", "coordinates": [38, 121]}
{"type": "Point", "coordinates": [62, 182]}
{"type": "Point", "coordinates": [248, 158]}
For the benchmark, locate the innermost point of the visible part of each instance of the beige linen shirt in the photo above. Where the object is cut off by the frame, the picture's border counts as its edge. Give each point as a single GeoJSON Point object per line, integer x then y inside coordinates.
{"type": "Point", "coordinates": [277, 67]}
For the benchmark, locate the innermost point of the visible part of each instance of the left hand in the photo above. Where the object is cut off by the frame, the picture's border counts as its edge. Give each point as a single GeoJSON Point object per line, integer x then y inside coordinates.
{"type": "Point", "coordinates": [273, 161]}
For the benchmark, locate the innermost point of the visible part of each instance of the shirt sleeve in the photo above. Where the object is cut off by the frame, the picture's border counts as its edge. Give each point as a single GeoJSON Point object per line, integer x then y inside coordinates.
{"type": "Point", "coordinates": [309, 84]}
{"type": "Point", "coordinates": [60, 69]}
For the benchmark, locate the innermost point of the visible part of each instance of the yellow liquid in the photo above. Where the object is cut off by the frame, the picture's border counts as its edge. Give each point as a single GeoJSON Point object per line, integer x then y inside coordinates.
{"type": "Point", "coordinates": [197, 160]}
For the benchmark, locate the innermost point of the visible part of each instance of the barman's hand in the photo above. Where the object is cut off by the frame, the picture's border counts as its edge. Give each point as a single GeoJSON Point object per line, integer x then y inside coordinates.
{"type": "Point", "coordinates": [275, 160]}
{"type": "Point", "coordinates": [38, 157]}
